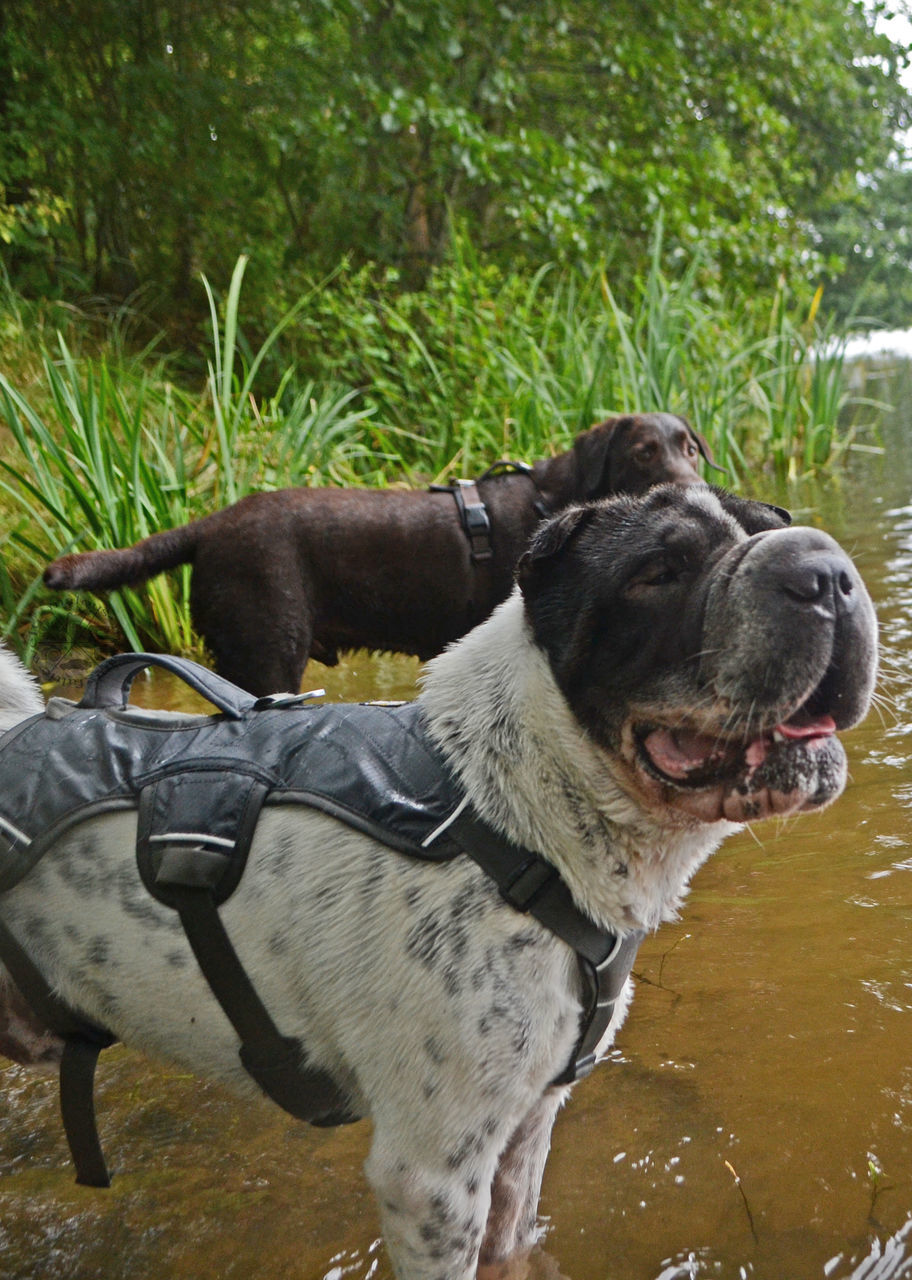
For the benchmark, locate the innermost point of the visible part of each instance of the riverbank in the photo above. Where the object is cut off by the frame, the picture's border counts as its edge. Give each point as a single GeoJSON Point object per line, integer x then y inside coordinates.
{"type": "Point", "coordinates": [362, 384]}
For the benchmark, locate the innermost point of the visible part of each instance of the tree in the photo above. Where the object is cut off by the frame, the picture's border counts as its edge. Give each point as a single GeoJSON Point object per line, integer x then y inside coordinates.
{"type": "Point", "coordinates": [146, 140]}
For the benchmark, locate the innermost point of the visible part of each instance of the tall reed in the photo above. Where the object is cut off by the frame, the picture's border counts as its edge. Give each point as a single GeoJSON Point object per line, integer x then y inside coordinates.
{"type": "Point", "coordinates": [116, 456]}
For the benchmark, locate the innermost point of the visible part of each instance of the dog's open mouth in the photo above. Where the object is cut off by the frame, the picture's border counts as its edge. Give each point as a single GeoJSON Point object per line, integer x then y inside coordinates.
{"type": "Point", "coordinates": [797, 764]}
{"type": "Point", "coordinates": [687, 758]}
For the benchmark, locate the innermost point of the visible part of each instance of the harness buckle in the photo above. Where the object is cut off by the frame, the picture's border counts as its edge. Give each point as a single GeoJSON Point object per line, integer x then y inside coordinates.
{"type": "Point", "coordinates": [475, 519]}
{"type": "Point", "coordinates": [523, 888]}
{"type": "Point", "coordinates": [271, 700]}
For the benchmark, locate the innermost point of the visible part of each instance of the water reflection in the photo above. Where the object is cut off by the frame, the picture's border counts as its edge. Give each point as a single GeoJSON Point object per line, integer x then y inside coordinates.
{"type": "Point", "coordinates": [353, 1264]}
{"type": "Point", "coordinates": [890, 1260]}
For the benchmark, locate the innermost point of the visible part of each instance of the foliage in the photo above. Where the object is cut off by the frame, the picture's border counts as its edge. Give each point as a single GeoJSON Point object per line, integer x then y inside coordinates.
{"type": "Point", "coordinates": [144, 140]}
{"type": "Point", "coordinates": [421, 385]}
{"type": "Point", "coordinates": [482, 363]}
{"type": "Point", "coordinates": [866, 242]}
{"type": "Point", "coordinates": [119, 455]}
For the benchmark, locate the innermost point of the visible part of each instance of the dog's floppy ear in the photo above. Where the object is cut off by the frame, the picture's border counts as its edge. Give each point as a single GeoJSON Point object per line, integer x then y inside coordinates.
{"type": "Point", "coordinates": [753, 516]}
{"type": "Point", "coordinates": [593, 451]}
{"type": "Point", "coordinates": [549, 541]}
{"type": "Point", "coordinates": [703, 445]}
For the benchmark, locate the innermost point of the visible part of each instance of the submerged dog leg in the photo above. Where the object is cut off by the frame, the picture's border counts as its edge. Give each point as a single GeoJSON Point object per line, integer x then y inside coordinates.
{"type": "Point", "coordinates": [512, 1219]}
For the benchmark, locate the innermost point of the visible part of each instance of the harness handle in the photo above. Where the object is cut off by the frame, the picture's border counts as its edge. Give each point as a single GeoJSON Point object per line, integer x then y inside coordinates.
{"type": "Point", "coordinates": [109, 684]}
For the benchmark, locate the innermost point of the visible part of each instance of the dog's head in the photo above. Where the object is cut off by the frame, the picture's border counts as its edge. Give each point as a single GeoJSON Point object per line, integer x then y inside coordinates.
{"type": "Point", "coordinates": [632, 453]}
{"type": "Point", "coordinates": [709, 648]}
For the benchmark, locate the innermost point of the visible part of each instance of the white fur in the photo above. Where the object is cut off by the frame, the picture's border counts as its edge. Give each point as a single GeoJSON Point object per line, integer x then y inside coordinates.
{"type": "Point", "coordinates": [19, 693]}
{"type": "Point", "coordinates": [553, 788]}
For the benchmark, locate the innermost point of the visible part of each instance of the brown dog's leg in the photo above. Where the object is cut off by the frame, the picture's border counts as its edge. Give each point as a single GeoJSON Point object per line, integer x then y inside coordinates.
{"type": "Point", "coordinates": [265, 659]}
{"type": "Point", "coordinates": [256, 619]}
{"type": "Point", "coordinates": [512, 1219]}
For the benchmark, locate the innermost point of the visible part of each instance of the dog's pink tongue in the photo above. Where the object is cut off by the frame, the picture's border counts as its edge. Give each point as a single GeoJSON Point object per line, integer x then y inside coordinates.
{"type": "Point", "coordinates": [678, 753]}
{"type": "Point", "coordinates": [822, 727]}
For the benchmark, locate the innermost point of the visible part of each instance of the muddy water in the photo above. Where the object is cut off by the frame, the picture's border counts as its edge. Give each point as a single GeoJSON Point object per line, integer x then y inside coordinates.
{"type": "Point", "coordinates": [756, 1118]}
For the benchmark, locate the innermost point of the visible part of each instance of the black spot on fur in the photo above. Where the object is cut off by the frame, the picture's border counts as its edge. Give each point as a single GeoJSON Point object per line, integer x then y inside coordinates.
{"type": "Point", "coordinates": [522, 941]}
{"type": "Point", "coordinates": [423, 940]}
{"type": "Point", "coordinates": [282, 857]}
{"type": "Point", "coordinates": [327, 895]}
{"type": "Point", "coordinates": [98, 951]}
{"type": "Point", "coordinates": [468, 1150]}
{"type": "Point", "coordinates": [375, 875]}
{"type": "Point", "coordinates": [77, 867]}
{"type": "Point", "coordinates": [435, 1051]}
{"type": "Point", "coordinates": [278, 943]}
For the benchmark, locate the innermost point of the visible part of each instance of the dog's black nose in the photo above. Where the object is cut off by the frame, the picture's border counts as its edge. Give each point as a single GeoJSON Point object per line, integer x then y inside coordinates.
{"type": "Point", "coordinates": [819, 577]}
{"type": "Point", "coordinates": [787, 613]}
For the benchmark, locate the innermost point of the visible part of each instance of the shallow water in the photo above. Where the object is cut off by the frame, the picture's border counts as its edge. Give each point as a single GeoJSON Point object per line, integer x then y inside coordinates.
{"type": "Point", "coordinates": [754, 1121]}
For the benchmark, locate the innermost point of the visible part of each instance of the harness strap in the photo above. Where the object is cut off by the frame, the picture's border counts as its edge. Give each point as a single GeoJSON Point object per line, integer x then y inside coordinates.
{"type": "Point", "coordinates": [473, 514]}
{"type": "Point", "coordinates": [505, 467]}
{"type": "Point", "coordinates": [475, 519]}
{"type": "Point", "coordinates": [275, 1061]}
{"type": "Point", "coordinates": [530, 884]}
{"type": "Point", "coordinates": [77, 1109]}
{"type": "Point", "coordinates": [83, 1042]}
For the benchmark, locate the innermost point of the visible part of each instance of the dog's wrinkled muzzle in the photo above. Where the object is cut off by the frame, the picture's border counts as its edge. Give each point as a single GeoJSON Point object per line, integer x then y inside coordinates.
{"type": "Point", "coordinates": [787, 657]}
{"type": "Point", "coordinates": [790, 631]}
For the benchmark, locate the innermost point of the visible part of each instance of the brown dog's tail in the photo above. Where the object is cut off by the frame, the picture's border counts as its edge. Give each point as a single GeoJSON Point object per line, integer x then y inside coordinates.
{"type": "Point", "coordinates": [124, 566]}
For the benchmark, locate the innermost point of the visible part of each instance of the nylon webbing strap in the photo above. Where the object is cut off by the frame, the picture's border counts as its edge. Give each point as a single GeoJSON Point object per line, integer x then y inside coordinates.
{"type": "Point", "coordinates": [273, 1060]}
{"type": "Point", "coordinates": [504, 467]}
{"type": "Point", "coordinates": [473, 516]}
{"type": "Point", "coordinates": [605, 983]}
{"type": "Point", "coordinates": [77, 1109]}
{"type": "Point", "coordinates": [475, 519]}
{"type": "Point", "coordinates": [83, 1042]}
{"type": "Point", "coordinates": [530, 884]}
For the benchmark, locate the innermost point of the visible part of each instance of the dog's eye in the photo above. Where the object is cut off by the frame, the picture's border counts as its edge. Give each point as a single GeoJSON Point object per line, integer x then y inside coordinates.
{"type": "Point", "coordinates": [657, 573]}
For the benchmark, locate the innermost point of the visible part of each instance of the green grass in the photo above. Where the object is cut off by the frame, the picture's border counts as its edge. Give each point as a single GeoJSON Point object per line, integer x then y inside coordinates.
{"type": "Point", "coordinates": [361, 383]}
{"type": "Point", "coordinates": [113, 457]}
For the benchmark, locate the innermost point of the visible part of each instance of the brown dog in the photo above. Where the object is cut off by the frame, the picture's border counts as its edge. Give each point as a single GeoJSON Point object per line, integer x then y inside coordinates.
{"type": "Point", "coordinates": [280, 577]}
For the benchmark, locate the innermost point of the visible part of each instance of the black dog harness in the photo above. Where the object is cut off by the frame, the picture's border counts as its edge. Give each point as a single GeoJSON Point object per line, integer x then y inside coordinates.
{"type": "Point", "coordinates": [473, 514]}
{"type": "Point", "coordinates": [198, 784]}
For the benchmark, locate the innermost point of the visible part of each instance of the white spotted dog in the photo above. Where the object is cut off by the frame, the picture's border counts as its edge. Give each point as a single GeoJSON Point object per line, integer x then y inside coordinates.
{"type": "Point", "coordinates": [667, 668]}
